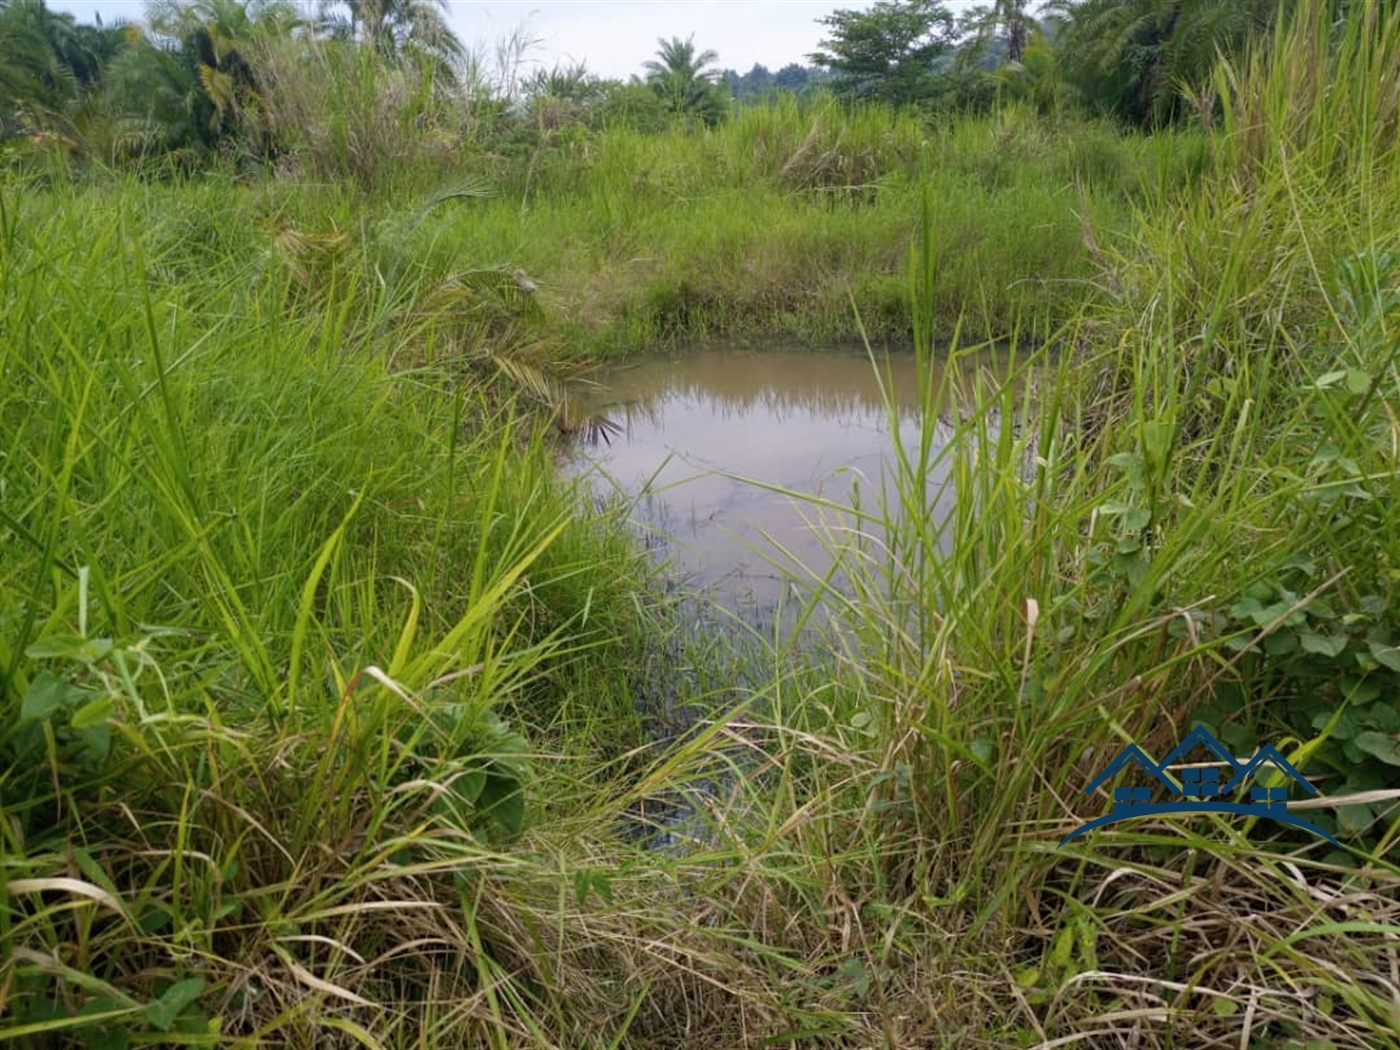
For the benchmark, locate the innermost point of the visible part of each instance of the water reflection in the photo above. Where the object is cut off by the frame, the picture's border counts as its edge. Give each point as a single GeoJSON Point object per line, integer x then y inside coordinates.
{"type": "Point", "coordinates": [708, 435]}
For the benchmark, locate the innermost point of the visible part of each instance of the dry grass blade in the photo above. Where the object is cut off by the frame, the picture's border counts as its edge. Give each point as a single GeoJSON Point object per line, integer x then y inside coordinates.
{"type": "Point", "coordinates": [66, 885]}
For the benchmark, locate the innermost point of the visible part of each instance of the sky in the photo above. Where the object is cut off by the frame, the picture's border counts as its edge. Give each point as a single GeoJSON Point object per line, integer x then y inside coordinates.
{"type": "Point", "coordinates": [612, 37]}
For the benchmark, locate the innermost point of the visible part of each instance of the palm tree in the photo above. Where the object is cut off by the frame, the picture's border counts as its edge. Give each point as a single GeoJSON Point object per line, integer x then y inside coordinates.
{"type": "Point", "coordinates": [1009, 21]}
{"type": "Point", "coordinates": [679, 76]}
{"type": "Point", "coordinates": [225, 39]}
{"type": "Point", "coordinates": [154, 95]}
{"type": "Point", "coordinates": [34, 81]}
{"type": "Point", "coordinates": [415, 31]}
{"type": "Point", "coordinates": [87, 50]}
{"type": "Point", "coordinates": [1139, 58]}
{"type": "Point", "coordinates": [197, 79]}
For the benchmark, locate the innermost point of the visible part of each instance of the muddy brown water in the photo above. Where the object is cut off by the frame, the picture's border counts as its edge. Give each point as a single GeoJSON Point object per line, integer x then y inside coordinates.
{"type": "Point", "coordinates": [717, 447]}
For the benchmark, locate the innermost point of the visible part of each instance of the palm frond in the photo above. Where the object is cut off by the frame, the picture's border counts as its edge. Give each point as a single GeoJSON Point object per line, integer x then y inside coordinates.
{"type": "Point", "coordinates": [307, 255]}
{"type": "Point", "coordinates": [470, 188]}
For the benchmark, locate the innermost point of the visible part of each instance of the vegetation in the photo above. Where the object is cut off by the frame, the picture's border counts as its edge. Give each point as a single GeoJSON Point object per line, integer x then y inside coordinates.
{"type": "Point", "coordinates": [639, 240]}
{"type": "Point", "coordinates": [762, 84]}
{"type": "Point", "coordinates": [1150, 62]}
{"type": "Point", "coordinates": [319, 684]}
{"type": "Point", "coordinates": [211, 80]}
{"type": "Point", "coordinates": [888, 51]}
{"type": "Point", "coordinates": [679, 76]}
{"type": "Point", "coordinates": [1004, 22]}
{"type": "Point", "coordinates": [395, 28]}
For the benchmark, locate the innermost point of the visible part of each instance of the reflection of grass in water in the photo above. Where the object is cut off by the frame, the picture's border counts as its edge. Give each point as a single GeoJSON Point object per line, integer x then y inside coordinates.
{"type": "Point", "coordinates": [784, 384]}
{"type": "Point", "coordinates": [711, 658]}
{"type": "Point", "coordinates": [754, 564]}
{"type": "Point", "coordinates": [714, 655]}
{"type": "Point", "coordinates": [704, 631]}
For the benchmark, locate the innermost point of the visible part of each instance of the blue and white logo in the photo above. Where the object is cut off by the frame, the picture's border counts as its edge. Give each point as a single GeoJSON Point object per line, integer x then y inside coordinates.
{"type": "Point", "coordinates": [1200, 790]}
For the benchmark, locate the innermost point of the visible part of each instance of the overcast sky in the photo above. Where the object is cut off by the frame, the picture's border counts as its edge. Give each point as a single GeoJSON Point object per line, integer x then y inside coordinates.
{"type": "Point", "coordinates": [613, 37]}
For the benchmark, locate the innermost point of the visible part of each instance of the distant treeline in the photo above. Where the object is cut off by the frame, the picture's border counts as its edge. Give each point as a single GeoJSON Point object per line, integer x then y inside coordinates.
{"type": "Point", "coordinates": [761, 83]}
{"type": "Point", "coordinates": [264, 82]}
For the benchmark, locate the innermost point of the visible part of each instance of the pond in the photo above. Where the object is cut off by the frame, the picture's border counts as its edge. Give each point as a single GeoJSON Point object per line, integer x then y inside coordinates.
{"type": "Point", "coordinates": [714, 445]}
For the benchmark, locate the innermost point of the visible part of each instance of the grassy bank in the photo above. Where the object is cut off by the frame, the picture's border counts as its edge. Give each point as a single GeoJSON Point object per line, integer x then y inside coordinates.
{"type": "Point", "coordinates": [318, 721]}
{"type": "Point", "coordinates": [777, 223]}
{"type": "Point", "coordinates": [780, 220]}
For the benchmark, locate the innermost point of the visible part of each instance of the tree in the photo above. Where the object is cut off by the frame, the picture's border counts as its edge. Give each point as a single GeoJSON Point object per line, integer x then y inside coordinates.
{"type": "Point", "coordinates": [1005, 22]}
{"type": "Point", "coordinates": [632, 105]}
{"type": "Point", "coordinates": [679, 76]}
{"type": "Point", "coordinates": [196, 79]}
{"type": "Point", "coordinates": [888, 52]}
{"type": "Point", "coordinates": [33, 80]}
{"type": "Point", "coordinates": [224, 39]}
{"type": "Point", "coordinates": [1036, 78]}
{"type": "Point", "coordinates": [574, 83]}
{"type": "Point", "coordinates": [757, 83]}
{"type": "Point", "coordinates": [758, 80]}
{"type": "Point", "coordinates": [1138, 59]}
{"type": "Point", "coordinates": [49, 64]}
{"type": "Point", "coordinates": [413, 31]}
{"type": "Point", "coordinates": [561, 95]}
{"type": "Point", "coordinates": [792, 77]}
{"type": "Point", "coordinates": [87, 50]}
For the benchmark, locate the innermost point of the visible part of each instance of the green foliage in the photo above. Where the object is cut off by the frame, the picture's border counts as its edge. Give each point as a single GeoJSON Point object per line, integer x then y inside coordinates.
{"type": "Point", "coordinates": [346, 114]}
{"type": "Point", "coordinates": [59, 713]}
{"type": "Point", "coordinates": [49, 64]}
{"type": "Point", "coordinates": [483, 764]}
{"type": "Point", "coordinates": [1282, 95]}
{"type": "Point", "coordinates": [1315, 672]}
{"type": "Point", "coordinates": [1275, 396]}
{"type": "Point", "coordinates": [31, 73]}
{"type": "Point", "coordinates": [196, 81]}
{"type": "Point", "coordinates": [679, 77]}
{"type": "Point", "coordinates": [1328, 664]}
{"type": "Point", "coordinates": [226, 76]}
{"type": "Point", "coordinates": [1149, 62]}
{"type": "Point", "coordinates": [288, 609]}
{"type": "Point", "coordinates": [1036, 79]}
{"type": "Point", "coordinates": [255, 80]}
{"type": "Point", "coordinates": [411, 32]}
{"type": "Point", "coordinates": [760, 84]}
{"type": "Point", "coordinates": [632, 107]}
{"type": "Point", "coordinates": [1004, 24]}
{"type": "Point", "coordinates": [773, 221]}
{"type": "Point", "coordinates": [888, 52]}
{"type": "Point", "coordinates": [318, 684]}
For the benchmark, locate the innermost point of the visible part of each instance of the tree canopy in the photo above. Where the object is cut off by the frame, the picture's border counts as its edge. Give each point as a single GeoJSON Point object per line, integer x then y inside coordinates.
{"type": "Point", "coordinates": [683, 79]}
{"type": "Point", "coordinates": [1006, 24]}
{"type": "Point", "coordinates": [47, 62]}
{"type": "Point", "coordinates": [398, 29]}
{"type": "Point", "coordinates": [1139, 59]}
{"type": "Point", "coordinates": [889, 51]}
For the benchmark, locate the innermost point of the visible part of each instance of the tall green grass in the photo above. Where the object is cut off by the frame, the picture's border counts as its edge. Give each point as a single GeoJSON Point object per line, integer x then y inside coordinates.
{"type": "Point", "coordinates": [1194, 524]}
{"type": "Point", "coordinates": [282, 634]}
{"type": "Point", "coordinates": [773, 223]}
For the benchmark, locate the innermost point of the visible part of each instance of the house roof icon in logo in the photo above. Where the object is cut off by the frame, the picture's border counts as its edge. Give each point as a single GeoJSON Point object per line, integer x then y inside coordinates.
{"type": "Point", "coordinates": [1267, 754]}
{"type": "Point", "coordinates": [1134, 754]}
{"type": "Point", "coordinates": [1201, 736]}
{"type": "Point", "coordinates": [1200, 789]}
